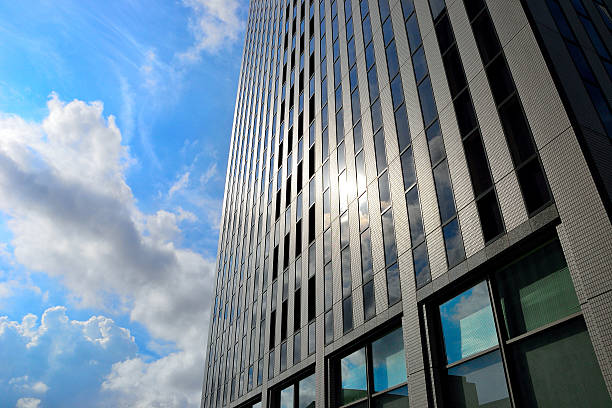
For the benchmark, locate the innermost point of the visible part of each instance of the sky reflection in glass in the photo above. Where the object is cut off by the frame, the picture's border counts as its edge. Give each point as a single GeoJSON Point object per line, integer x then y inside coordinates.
{"type": "Point", "coordinates": [389, 361]}
{"type": "Point", "coordinates": [467, 323]}
{"type": "Point", "coordinates": [353, 375]}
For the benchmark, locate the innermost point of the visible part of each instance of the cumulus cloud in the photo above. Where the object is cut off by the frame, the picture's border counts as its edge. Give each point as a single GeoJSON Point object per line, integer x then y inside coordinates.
{"type": "Point", "coordinates": [73, 216]}
{"type": "Point", "coordinates": [216, 23]}
{"type": "Point", "coordinates": [59, 360]}
{"type": "Point", "coordinates": [28, 403]}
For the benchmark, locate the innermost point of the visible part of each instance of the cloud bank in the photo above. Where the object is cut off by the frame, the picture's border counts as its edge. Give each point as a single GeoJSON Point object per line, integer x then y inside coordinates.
{"type": "Point", "coordinates": [73, 216]}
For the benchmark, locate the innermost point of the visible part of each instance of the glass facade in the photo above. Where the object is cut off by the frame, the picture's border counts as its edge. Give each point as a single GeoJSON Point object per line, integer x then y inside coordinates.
{"type": "Point", "coordinates": [390, 182]}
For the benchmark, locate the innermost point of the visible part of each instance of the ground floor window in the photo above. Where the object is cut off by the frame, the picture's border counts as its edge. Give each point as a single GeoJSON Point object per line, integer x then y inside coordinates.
{"type": "Point", "coordinates": [373, 375]}
{"type": "Point", "coordinates": [518, 338]}
{"type": "Point", "coordinates": [298, 394]}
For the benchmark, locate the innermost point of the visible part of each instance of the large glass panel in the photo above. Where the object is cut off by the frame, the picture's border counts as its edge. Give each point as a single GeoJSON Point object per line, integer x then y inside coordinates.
{"type": "Point", "coordinates": [388, 229]}
{"type": "Point", "coordinates": [444, 191]}
{"type": "Point", "coordinates": [329, 327]}
{"type": "Point", "coordinates": [397, 398]}
{"type": "Point", "coordinates": [455, 252]}
{"type": "Point", "coordinates": [286, 397]}
{"type": "Point", "coordinates": [536, 290]}
{"type": "Point", "coordinates": [353, 377]}
{"type": "Point", "coordinates": [389, 361]}
{"type": "Point", "coordinates": [421, 265]}
{"type": "Point", "coordinates": [428, 104]}
{"type": "Point", "coordinates": [394, 293]}
{"type": "Point", "coordinates": [366, 256]}
{"type": "Point", "coordinates": [478, 383]}
{"type": "Point", "coordinates": [306, 392]}
{"type": "Point", "coordinates": [369, 304]}
{"type": "Point", "coordinates": [467, 323]}
{"type": "Point", "coordinates": [414, 216]}
{"type": "Point", "coordinates": [558, 369]}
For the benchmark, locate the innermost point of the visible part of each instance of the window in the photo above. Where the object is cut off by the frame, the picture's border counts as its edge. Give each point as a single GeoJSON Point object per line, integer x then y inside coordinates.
{"type": "Point", "coordinates": [299, 394]}
{"type": "Point", "coordinates": [532, 304]}
{"type": "Point", "coordinates": [377, 371]}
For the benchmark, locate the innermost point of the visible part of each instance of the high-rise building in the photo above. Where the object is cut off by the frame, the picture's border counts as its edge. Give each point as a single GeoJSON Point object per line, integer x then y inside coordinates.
{"type": "Point", "coordinates": [417, 207]}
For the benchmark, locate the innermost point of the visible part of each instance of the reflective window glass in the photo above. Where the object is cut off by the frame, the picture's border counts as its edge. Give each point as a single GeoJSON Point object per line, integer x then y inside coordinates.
{"type": "Point", "coordinates": [389, 361]}
{"type": "Point", "coordinates": [478, 383]}
{"type": "Point", "coordinates": [467, 323]}
{"type": "Point", "coordinates": [397, 398]}
{"type": "Point", "coordinates": [306, 390]}
{"type": "Point", "coordinates": [453, 242]}
{"type": "Point", "coordinates": [421, 265]}
{"type": "Point", "coordinates": [353, 377]}
{"type": "Point", "coordinates": [286, 397]}
{"type": "Point", "coordinates": [366, 256]}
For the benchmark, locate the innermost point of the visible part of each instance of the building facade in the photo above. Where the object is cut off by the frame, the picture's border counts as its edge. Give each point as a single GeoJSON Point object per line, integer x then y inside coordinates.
{"type": "Point", "coordinates": [417, 208]}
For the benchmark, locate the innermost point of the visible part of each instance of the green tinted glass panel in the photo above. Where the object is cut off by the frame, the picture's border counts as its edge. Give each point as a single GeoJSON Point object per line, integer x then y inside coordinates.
{"type": "Point", "coordinates": [467, 323]}
{"type": "Point", "coordinates": [397, 398]}
{"type": "Point", "coordinates": [478, 383]}
{"type": "Point", "coordinates": [536, 290]}
{"type": "Point", "coordinates": [306, 392]}
{"type": "Point", "coordinates": [558, 369]}
{"type": "Point", "coordinates": [389, 361]}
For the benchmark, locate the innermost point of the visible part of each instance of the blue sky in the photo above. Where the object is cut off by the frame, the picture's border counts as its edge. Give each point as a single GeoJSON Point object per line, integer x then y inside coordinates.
{"type": "Point", "coordinates": [115, 122]}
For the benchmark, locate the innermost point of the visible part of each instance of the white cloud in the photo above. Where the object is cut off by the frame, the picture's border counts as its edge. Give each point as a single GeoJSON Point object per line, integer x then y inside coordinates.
{"type": "Point", "coordinates": [217, 23]}
{"type": "Point", "coordinates": [73, 216]}
{"type": "Point", "coordinates": [28, 403]}
{"type": "Point", "coordinates": [180, 184]}
{"type": "Point", "coordinates": [59, 360]}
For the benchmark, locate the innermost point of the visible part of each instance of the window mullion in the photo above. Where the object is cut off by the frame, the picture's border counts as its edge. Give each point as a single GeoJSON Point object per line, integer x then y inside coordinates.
{"type": "Point", "coordinates": [500, 339]}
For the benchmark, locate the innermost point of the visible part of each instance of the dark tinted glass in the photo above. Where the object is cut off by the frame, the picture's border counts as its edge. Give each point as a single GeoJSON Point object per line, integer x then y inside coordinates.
{"type": "Point", "coordinates": [397, 92]}
{"type": "Point", "coordinates": [387, 32]}
{"type": "Point", "coordinates": [453, 242]}
{"type": "Point", "coordinates": [329, 292]}
{"type": "Point", "coordinates": [414, 216]}
{"type": "Point", "coordinates": [490, 217]}
{"type": "Point", "coordinates": [344, 230]}
{"type": "Point", "coordinates": [401, 127]}
{"type": "Point", "coordinates": [444, 32]}
{"type": "Point", "coordinates": [473, 7]}
{"type": "Point", "coordinates": [421, 265]}
{"type": "Point", "coordinates": [373, 84]}
{"type": "Point", "coordinates": [311, 338]}
{"type": "Point", "coordinates": [379, 148]}
{"type": "Point", "coordinates": [394, 293]}
{"type": "Point", "coordinates": [562, 25]}
{"type": "Point", "coordinates": [428, 104]}
{"type": "Point", "coordinates": [444, 191]}
{"type": "Point", "coordinates": [351, 51]}
{"type": "Point", "coordinates": [384, 9]}
{"type": "Point", "coordinates": [384, 192]}
{"type": "Point", "coordinates": [358, 136]}
{"type": "Point", "coordinates": [367, 30]}
{"type": "Point", "coordinates": [376, 116]}
{"type": "Point", "coordinates": [366, 256]}
{"type": "Point", "coordinates": [454, 71]}
{"type": "Point", "coordinates": [414, 34]}
{"type": "Point", "coordinates": [464, 112]}
{"type": "Point", "coordinates": [339, 126]}
{"type": "Point", "coordinates": [329, 327]}
{"type": "Point", "coordinates": [517, 130]}
{"type": "Point", "coordinates": [601, 105]}
{"type": "Point", "coordinates": [478, 383]}
{"type": "Point", "coordinates": [392, 61]}
{"type": "Point", "coordinates": [369, 304]}
{"type": "Point", "coordinates": [533, 184]}
{"type": "Point", "coordinates": [486, 37]}
{"type": "Point", "coordinates": [297, 348]}
{"type": "Point", "coordinates": [419, 64]}
{"type": "Point", "coordinates": [370, 57]}
{"type": "Point", "coordinates": [407, 7]}
{"type": "Point", "coordinates": [393, 399]}
{"type": "Point", "coordinates": [346, 272]}
{"type": "Point", "coordinates": [355, 106]}
{"type": "Point", "coordinates": [437, 7]}
{"type": "Point", "coordinates": [435, 143]}
{"type": "Point", "coordinates": [543, 361]}
{"type": "Point", "coordinates": [408, 169]}
{"type": "Point", "coordinates": [361, 176]}
{"type": "Point", "coordinates": [500, 79]}
{"type": "Point", "coordinates": [364, 219]}
{"type": "Point", "coordinates": [389, 237]}
{"type": "Point", "coordinates": [477, 163]}
{"type": "Point", "coordinates": [347, 314]}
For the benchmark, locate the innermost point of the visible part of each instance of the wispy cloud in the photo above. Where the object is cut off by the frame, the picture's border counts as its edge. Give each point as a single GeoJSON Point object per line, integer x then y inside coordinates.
{"type": "Point", "coordinates": [215, 23]}
{"type": "Point", "coordinates": [180, 184]}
